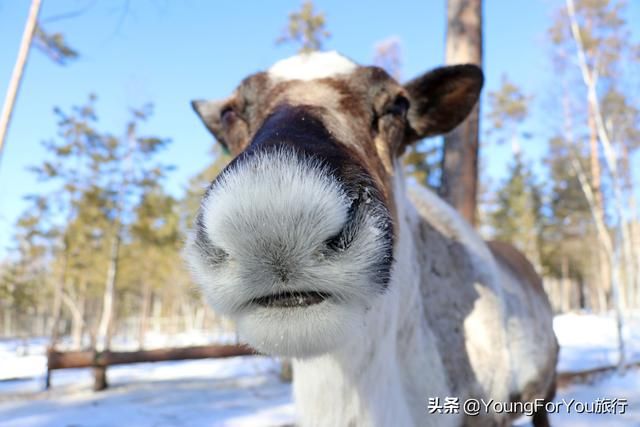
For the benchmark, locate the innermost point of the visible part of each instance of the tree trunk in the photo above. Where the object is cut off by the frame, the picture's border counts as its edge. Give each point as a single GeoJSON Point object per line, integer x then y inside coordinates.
{"type": "Point", "coordinates": [618, 281]}
{"type": "Point", "coordinates": [607, 243]}
{"type": "Point", "coordinates": [582, 297]}
{"type": "Point", "coordinates": [100, 378]}
{"type": "Point", "coordinates": [459, 182]}
{"type": "Point", "coordinates": [108, 299]}
{"type": "Point", "coordinates": [144, 313]}
{"type": "Point", "coordinates": [103, 338]}
{"type": "Point", "coordinates": [7, 322]}
{"type": "Point", "coordinates": [566, 286]}
{"type": "Point", "coordinates": [286, 371]}
{"type": "Point", "coordinates": [157, 314]}
{"type": "Point", "coordinates": [594, 158]}
{"type": "Point", "coordinates": [635, 239]}
{"type": "Point", "coordinates": [18, 70]}
{"type": "Point", "coordinates": [596, 185]}
{"type": "Point", "coordinates": [600, 281]}
{"type": "Point", "coordinates": [77, 320]}
{"type": "Point", "coordinates": [58, 296]}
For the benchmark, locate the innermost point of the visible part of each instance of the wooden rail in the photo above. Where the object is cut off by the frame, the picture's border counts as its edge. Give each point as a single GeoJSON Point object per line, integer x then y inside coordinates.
{"type": "Point", "coordinates": [90, 359]}
{"type": "Point", "coordinates": [99, 361]}
{"type": "Point", "coordinates": [565, 379]}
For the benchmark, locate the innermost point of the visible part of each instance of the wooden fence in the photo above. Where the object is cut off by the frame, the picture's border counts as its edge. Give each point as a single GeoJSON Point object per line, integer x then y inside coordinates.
{"type": "Point", "coordinates": [100, 361]}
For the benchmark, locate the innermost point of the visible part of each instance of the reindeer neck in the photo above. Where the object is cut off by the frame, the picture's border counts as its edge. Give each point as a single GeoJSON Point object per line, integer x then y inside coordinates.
{"type": "Point", "coordinates": [389, 368]}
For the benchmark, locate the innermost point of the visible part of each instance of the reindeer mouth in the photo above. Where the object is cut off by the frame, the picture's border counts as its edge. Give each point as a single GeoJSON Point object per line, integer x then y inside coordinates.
{"type": "Point", "coordinates": [291, 299]}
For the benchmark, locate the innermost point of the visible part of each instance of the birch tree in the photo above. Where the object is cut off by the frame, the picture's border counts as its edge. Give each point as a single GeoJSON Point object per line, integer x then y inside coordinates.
{"type": "Point", "coordinates": [18, 70]}
{"type": "Point", "coordinates": [592, 38]}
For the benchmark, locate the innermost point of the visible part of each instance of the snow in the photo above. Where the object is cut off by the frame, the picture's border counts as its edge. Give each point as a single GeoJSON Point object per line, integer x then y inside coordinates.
{"type": "Point", "coordinates": [246, 391]}
{"type": "Point", "coordinates": [27, 359]}
{"type": "Point", "coordinates": [624, 387]}
{"type": "Point", "coordinates": [610, 386]}
{"type": "Point", "coordinates": [208, 392]}
{"type": "Point", "coordinates": [590, 341]}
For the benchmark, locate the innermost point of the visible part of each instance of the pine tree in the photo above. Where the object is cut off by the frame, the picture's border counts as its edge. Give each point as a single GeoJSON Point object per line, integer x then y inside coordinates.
{"type": "Point", "coordinates": [459, 177]}
{"type": "Point", "coordinates": [152, 254]}
{"type": "Point", "coordinates": [518, 217]}
{"type": "Point", "coordinates": [306, 29]}
{"type": "Point", "coordinates": [567, 225]}
{"type": "Point", "coordinates": [95, 182]}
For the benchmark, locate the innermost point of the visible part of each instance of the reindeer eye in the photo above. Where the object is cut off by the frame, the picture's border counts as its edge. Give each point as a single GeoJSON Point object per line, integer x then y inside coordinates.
{"type": "Point", "coordinates": [227, 116]}
{"type": "Point", "coordinates": [399, 107]}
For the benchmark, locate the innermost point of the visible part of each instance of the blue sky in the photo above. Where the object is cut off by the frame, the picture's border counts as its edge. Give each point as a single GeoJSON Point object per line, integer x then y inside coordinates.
{"type": "Point", "coordinates": [171, 52]}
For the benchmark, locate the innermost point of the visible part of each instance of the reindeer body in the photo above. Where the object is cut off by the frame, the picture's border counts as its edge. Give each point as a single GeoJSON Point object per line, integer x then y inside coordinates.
{"type": "Point", "coordinates": [382, 294]}
{"type": "Point", "coordinates": [459, 321]}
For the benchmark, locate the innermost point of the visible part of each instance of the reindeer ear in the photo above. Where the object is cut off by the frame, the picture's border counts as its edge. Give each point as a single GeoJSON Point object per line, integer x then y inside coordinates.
{"type": "Point", "coordinates": [441, 99]}
{"type": "Point", "coordinates": [209, 113]}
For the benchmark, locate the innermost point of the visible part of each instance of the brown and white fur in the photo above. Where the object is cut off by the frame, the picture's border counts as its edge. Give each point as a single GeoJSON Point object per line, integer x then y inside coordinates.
{"type": "Point", "coordinates": [312, 240]}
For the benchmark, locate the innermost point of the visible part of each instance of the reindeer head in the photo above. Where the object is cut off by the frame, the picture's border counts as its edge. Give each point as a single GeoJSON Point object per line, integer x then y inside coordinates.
{"type": "Point", "coordinates": [295, 238]}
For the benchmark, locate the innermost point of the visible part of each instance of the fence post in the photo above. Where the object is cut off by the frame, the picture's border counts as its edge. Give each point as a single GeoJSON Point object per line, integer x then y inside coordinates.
{"type": "Point", "coordinates": [100, 371]}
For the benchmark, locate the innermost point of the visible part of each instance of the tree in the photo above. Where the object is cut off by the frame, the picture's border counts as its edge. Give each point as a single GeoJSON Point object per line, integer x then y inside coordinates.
{"type": "Point", "coordinates": [198, 184]}
{"type": "Point", "coordinates": [152, 253]}
{"type": "Point", "coordinates": [594, 35]}
{"type": "Point", "coordinates": [306, 29]}
{"type": "Point", "coordinates": [459, 179]}
{"type": "Point", "coordinates": [518, 216]}
{"type": "Point", "coordinates": [567, 225]}
{"type": "Point", "coordinates": [388, 55]}
{"type": "Point", "coordinates": [18, 70]}
{"type": "Point", "coordinates": [508, 108]}
{"type": "Point", "coordinates": [53, 45]}
{"type": "Point", "coordinates": [98, 181]}
{"type": "Point", "coordinates": [24, 277]}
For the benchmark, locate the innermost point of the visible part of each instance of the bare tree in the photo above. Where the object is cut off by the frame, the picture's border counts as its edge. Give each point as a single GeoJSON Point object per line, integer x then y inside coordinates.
{"type": "Point", "coordinates": [51, 44]}
{"type": "Point", "coordinates": [590, 78]}
{"type": "Point", "coordinates": [18, 70]}
{"type": "Point", "coordinates": [388, 55]}
{"type": "Point", "coordinates": [459, 182]}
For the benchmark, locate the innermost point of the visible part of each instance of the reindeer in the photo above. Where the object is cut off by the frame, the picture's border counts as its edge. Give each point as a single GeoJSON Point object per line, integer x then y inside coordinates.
{"type": "Point", "coordinates": [314, 243]}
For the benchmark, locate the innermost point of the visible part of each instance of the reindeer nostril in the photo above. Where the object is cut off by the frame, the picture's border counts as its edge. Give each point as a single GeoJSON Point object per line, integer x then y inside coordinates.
{"type": "Point", "coordinates": [218, 255]}
{"type": "Point", "coordinates": [341, 241]}
{"type": "Point", "coordinates": [214, 254]}
{"type": "Point", "coordinates": [337, 243]}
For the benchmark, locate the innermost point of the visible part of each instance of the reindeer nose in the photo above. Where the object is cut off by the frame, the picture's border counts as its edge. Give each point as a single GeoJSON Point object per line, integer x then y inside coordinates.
{"type": "Point", "coordinates": [271, 213]}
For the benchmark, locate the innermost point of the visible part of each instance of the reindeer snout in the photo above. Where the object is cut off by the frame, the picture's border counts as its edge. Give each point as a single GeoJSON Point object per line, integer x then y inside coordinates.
{"type": "Point", "coordinates": [274, 213]}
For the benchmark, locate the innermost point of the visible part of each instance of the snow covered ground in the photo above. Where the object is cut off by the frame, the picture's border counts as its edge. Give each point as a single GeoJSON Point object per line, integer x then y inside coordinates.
{"type": "Point", "coordinates": [590, 341]}
{"type": "Point", "coordinates": [611, 386]}
{"type": "Point", "coordinates": [230, 392]}
{"type": "Point", "coordinates": [245, 391]}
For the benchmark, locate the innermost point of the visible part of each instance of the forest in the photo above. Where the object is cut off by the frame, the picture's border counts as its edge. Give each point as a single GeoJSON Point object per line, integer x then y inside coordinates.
{"type": "Point", "coordinates": [95, 258]}
{"type": "Point", "coordinates": [98, 250]}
